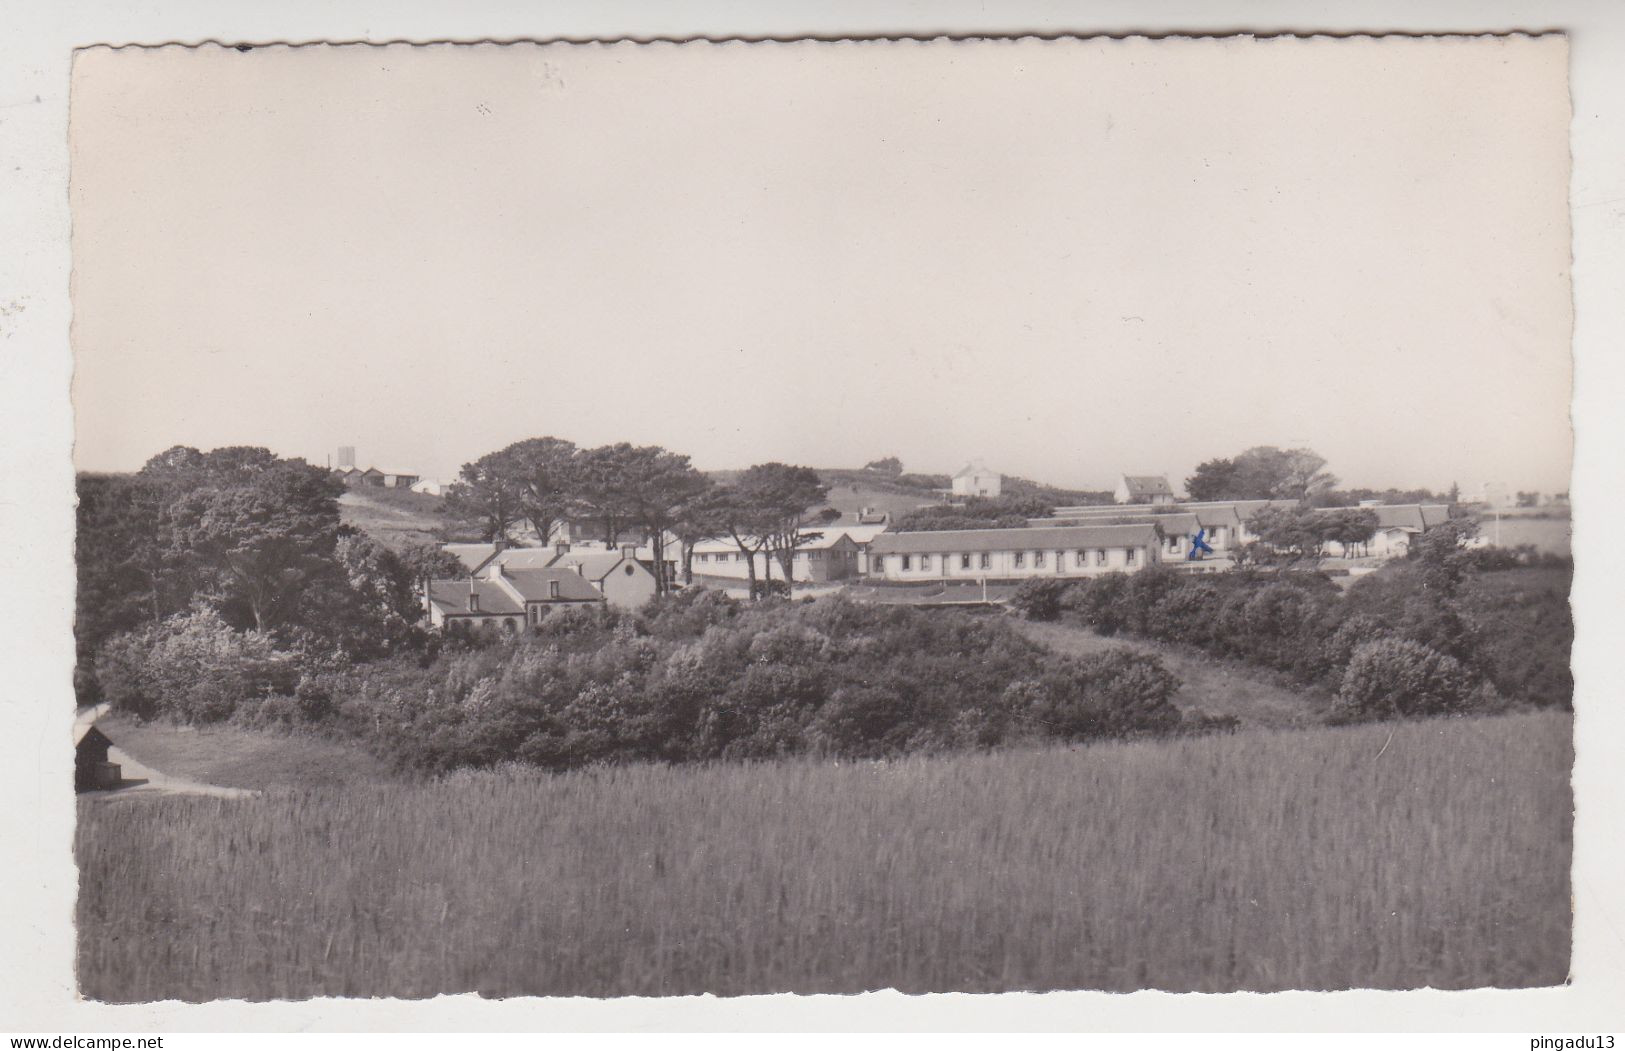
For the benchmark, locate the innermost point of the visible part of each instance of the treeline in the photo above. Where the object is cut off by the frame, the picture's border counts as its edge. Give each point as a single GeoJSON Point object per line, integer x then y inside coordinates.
{"type": "Point", "coordinates": [247, 539]}
{"type": "Point", "coordinates": [1265, 472]}
{"type": "Point", "coordinates": [693, 677]}
{"type": "Point", "coordinates": [1441, 633]}
{"type": "Point", "coordinates": [643, 490]}
{"type": "Point", "coordinates": [242, 541]}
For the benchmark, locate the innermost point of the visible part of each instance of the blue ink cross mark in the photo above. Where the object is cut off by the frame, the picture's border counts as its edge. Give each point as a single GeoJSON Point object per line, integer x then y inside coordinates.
{"type": "Point", "coordinates": [1199, 546]}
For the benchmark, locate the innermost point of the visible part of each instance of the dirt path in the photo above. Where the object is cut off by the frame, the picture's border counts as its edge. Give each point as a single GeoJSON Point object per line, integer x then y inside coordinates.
{"type": "Point", "coordinates": [138, 779]}
{"type": "Point", "coordinates": [1216, 687]}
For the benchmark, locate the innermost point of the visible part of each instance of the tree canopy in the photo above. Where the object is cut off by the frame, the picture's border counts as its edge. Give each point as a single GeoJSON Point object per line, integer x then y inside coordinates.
{"type": "Point", "coordinates": [1263, 472]}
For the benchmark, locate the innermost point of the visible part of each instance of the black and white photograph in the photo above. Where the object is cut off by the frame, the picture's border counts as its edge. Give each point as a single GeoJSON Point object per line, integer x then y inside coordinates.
{"type": "Point", "coordinates": [665, 518]}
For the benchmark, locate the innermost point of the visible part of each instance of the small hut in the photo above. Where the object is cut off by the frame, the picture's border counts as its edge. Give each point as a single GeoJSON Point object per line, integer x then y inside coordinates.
{"type": "Point", "coordinates": [91, 769]}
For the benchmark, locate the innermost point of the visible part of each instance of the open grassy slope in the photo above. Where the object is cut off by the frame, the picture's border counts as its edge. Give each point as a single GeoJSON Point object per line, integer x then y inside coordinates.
{"type": "Point", "coordinates": [1216, 687]}
{"type": "Point", "coordinates": [396, 519]}
{"type": "Point", "coordinates": [235, 758]}
{"type": "Point", "coordinates": [1429, 853]}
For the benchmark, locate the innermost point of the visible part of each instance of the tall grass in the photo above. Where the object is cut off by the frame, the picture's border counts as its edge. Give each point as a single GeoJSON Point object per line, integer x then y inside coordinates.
{"type": "Point", "coordinates": [1319, 859]}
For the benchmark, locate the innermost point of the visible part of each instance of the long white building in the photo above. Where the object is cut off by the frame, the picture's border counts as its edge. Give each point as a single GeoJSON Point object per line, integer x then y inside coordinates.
{"type": "Point", "coordinates": [1014, 554]}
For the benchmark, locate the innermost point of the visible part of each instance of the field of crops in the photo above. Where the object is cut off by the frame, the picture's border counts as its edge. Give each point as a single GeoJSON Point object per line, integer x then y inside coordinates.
{"type": "Point", "coordinates": [1428, 853]}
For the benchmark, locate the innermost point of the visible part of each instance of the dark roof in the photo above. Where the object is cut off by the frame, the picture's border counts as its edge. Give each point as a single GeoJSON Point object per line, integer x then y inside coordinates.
{"type": "Point", "coordinates": [1030, 539]}
{"type": "Point", "coordinates": [472, 556]}
{"type": "Point", "coordinates": [87, 736]}
{"type": "Point", "coordinates": [527, 557]}
{"type": "Point", "coordinates": [1400, 516]}
{"type": "Point", "coordinates": [1210, 517]}
{"type": "Point", "coordinates": [452, 597]}
{"type": "Point", "coordinates": [595, 565]}
{"type": "Point", "coordinates": [1435, 514]}
{"type": "Point", "coordinates": [1172, 523]}
{"type": "Point", "coordinates": [1147, 485]}
{"type": "Point", "coordinates": [533, 585]}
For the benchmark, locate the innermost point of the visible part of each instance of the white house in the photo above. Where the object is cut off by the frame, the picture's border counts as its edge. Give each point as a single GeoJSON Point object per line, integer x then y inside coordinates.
{"type": "Point", "coordinates": [625, 582]}
{"type": "Point", "coordinates": [1013, 554]}
{"type": "Point", "coordinates": [974, 479]}
{"type": "Point", "coordinates": [1143, 489]}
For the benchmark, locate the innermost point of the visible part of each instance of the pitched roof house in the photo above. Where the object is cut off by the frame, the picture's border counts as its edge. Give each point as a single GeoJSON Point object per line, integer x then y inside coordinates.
{"type": "Point", "coordinates": [1144, 489]}
{"type": "Point", "coordinates": [974, 479]}
{"type": "Point", "coordinates": [625, 582]}
{"type": "Point", "coordinates": [507, 598]}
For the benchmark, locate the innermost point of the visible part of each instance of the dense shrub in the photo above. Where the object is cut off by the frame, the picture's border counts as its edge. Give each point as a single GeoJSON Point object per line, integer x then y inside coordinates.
{"type": "Point", "coordinates": [699, 677]}
{"type": "Point", "coordinates": [193, 668]}
{"type": "Point", "coordinates": [1390, 676]}
{"type": "Point", "coordinates": [1509, 630]}
{"type": "Point", "coordinates": [1039, 598]}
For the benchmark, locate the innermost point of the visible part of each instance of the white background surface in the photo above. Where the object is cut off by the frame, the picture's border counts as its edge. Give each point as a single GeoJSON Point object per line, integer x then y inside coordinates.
{"type": "Point", "coordinates": [36, 521]}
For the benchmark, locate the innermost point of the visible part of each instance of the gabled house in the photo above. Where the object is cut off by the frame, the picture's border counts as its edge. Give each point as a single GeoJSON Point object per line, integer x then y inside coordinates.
{"type": "Point", "coordinates": [974, 479]}
{"type": "Point", "coordinates": [625, 582]}
{"type": "Point", "coordinates": [509, 599]}
{"type": "Point", "coordinates": [1144, 489]}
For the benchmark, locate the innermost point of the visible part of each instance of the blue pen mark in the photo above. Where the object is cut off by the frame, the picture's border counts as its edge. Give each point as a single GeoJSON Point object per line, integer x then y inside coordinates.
{"type": "Point", "coordinates": [1199, 546]}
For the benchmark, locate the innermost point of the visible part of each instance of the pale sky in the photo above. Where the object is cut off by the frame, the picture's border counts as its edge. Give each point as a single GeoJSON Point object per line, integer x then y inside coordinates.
{"type": "Point", "coordinates": [1068, 259]}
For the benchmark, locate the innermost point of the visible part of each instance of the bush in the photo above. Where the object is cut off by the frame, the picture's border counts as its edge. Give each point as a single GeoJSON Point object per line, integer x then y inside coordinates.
{"type": "Point", "coordinates": [700, 677]}
{"type": "Point", "coordinates": [1099, 602]}
{"type": "Point", "coordinates": [1389, 677]}
{"type": "Point", "coordinates": [193, 668]}
{"type": "Point", "coordinates": [1114, 694]}
{"type": "Point", "coordinates": [1040, 598]}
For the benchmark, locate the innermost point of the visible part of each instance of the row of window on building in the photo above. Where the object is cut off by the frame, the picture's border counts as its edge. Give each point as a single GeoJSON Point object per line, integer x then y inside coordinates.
{"type": "Point", "coordinates": [1018, 559]}
{"type": "Point", "coordinates": [735, 556]}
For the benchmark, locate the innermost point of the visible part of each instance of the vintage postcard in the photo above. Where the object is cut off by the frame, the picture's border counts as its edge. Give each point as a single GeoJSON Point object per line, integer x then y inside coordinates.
{"type": "Point", "coordinates": [987, 515]}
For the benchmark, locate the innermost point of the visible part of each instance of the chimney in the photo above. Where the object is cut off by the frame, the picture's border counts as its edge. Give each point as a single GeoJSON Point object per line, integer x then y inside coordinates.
{"type": "Point", "coordinates": [561, 548]}
{"type": "Point", "coordinates": [473, 597]}
{"type": "Point", "coordinates": [628, 551]}
{"type": "Point", "coordinates": [495, 571]}
{"type": "Point", "coordinates": [500, 543]}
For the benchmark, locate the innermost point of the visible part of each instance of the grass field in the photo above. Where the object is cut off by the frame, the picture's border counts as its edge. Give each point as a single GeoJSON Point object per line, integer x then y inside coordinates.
{"type": "Point", "coordinates": [1551, 535]}
{"type": "Point", "coordinates": [224, 755]}
{"type": "Point", "coordinates": [1429, 853]}
{"type": "Point", "coordinates": [395, 518]}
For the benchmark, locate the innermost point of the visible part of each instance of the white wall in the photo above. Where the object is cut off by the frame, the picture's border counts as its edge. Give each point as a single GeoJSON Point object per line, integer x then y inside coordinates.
{"type": "Point", "coordinates": [1002, 564]}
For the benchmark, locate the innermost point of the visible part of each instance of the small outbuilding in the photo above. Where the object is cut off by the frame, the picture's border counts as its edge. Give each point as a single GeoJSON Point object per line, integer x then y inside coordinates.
{"type": "Point", "coordinates": [91, 768]}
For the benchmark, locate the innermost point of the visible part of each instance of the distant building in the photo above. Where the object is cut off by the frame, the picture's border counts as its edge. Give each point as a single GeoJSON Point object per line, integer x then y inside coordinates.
{"type": "Point", "coordinates": [1150, 489]}
{"type": "Point", "coordinates": [352, 475]}
{"type": "Point", "coordinates": [430, 487]}
{"type": "Point", "coordinates": [1226, 524]}
{"type": "Point", "coordinates": [974, 479]}
{"type": "Point", "coordinates": [624, 581]}
{"type": "Point", "coordinates": [618, 575]}
{"type": "Point", "coordinates": [510, 600]}
{"type": "Point", "coordinates": [1398, 526]}
{"type": "Point", "coordinates": [831, 556]}
{"type": "Point", "coordinates": [1014, 554]}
